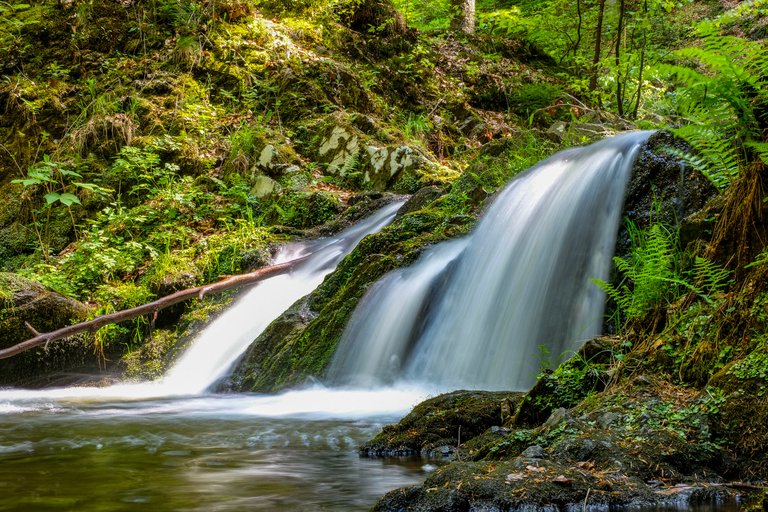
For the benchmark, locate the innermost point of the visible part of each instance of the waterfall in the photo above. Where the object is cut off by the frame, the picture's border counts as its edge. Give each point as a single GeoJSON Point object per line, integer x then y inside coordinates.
{"type": "Point", "coordinates": [216, 348]}
{"type": "Point", "coordinates": [475, 313]}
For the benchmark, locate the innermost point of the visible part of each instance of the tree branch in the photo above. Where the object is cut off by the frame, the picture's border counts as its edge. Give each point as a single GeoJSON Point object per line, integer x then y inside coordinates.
{"type": "Point", "coordinates": [152, 307]}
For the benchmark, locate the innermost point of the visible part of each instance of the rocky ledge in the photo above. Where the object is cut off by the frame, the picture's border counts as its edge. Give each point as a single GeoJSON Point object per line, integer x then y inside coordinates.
{"type": "Point", "coordinates": [579, 440]}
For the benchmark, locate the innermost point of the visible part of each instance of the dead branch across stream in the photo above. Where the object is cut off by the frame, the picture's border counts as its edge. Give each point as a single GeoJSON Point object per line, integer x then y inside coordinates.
{"type": "Point", "coordinates": [198, 292]}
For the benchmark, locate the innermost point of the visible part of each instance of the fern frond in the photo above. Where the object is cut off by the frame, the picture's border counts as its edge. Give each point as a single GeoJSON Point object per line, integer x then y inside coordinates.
{"type": "Point", "coordinates": [760, 148]}
{"type": "Point", "coordinates": [710, 277]}
{"type": "Point", "coordinates": [715, 156]}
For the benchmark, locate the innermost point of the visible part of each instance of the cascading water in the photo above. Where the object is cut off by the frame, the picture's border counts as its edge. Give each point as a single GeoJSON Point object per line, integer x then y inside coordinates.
{"type": "Point", "coordinates": [459, 317]}
{"type": "Point", "coordinates": [215, 349]}
{"type": "Point", "coordinates": [218, 346]}
{"type": "Point", "coordinates": [524, 280]}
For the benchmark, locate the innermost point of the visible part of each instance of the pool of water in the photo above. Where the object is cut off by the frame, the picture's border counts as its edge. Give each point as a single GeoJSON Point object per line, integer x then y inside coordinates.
{"type": "Point", "coordinates": [210, 453]}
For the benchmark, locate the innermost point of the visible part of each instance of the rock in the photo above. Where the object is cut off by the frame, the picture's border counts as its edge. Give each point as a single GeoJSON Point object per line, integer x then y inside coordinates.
{"type": "Point", "coordinates": [385, 165]}
{"type": "Point", "coordinates": [587, 465]}
{"type": "Point", "coordinates": [534, 452]}
{"type": "Point", "coordinates": [663, 189]}
{"type": "Point", "coordinates": [266, 157]}
{"type": "Point", "coordinates": [434, 426]}
{"type": "Point", "coordinates": [609, 418]}
{"type": "Point", "coordinates": [23, 300]}
{"type": "Point", "coordinates": [338, 148]}
{"type": "Point", "coordinates": [346, 150]}
{"type": "Point", "coordinates": [264, 186]}
{"type": "Point", "coordinates": [557, 131]}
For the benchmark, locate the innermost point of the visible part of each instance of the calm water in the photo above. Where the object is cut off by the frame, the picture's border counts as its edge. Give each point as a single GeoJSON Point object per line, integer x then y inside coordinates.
{"type": "Point", "coordinates": [205, 454]}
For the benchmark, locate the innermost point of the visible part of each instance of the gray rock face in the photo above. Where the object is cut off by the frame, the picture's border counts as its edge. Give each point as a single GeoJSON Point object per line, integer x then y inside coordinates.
{"type": "Point", "coordinates": [663, 189]}
{"type": "Point", "coordinates": [346, 150]}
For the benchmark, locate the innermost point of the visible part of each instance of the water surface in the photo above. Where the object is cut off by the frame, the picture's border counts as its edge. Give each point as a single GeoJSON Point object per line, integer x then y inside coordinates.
{"type": "Point", "coordinates": [207, 453]}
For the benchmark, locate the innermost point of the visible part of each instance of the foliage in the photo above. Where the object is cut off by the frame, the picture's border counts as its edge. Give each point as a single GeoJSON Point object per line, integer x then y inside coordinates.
{"type": "Point", "coordinates": [57, 182]}
{"type": "Point", "coordinates": [723, 86]}
{"type": "Point", "coordinates": [649, 274]}
{"type": "Point", "coordinates": [652, 275]}
{"type": "Point", "coordinates": [303, 209]}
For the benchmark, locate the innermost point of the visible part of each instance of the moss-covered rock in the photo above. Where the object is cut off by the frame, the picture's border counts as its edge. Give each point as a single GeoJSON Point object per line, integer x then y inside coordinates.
{"type": "Point", "coordinates": [23, 301]}
{"type": "Point", "coordinates": [439, 426]}
{"type": "Point", "coordinates": [580, 376]}
{"type": "Point", "coordinates": [643, 444]}
{"type": "Point", "coordinates": [302, 342]}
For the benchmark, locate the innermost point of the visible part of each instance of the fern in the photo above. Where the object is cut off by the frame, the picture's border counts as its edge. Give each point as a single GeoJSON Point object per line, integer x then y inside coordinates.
{"type": "Point", "coordinates": [760, 149]}
{"type": "Point", "coordinates": [724, 78]}
{"type": "Point", "coordinates": [710, 278]}
{"type": "Point", "coordinates": [648, 275]}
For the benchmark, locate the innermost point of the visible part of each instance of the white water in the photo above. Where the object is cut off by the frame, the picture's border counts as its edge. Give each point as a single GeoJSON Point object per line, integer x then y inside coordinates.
{"type": "Point", "coordinates": [316, 402]}
{"type": "Point", "coordinates": [216, 348]}
{"type": "Point", "coordinates": [524, 280]}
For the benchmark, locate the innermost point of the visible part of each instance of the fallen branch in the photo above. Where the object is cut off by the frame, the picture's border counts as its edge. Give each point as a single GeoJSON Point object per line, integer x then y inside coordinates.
{"type": "Point", "coordinates": [152, 307]}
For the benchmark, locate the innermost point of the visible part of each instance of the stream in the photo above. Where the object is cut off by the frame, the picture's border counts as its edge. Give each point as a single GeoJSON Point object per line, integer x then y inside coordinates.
{"type": "Point", "coordinates": [298, 451]}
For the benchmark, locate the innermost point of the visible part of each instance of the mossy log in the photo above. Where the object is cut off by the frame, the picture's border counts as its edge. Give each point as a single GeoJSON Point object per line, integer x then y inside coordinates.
{"type": "Point", "coordinates": [198, 292]}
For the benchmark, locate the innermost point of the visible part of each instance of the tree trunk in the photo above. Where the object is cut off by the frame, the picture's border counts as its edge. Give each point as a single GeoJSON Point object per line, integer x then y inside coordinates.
{"type": "Point", "coordinates": [619, 77]}
{"type": "Point", "coordinates": [598, 43]}
{"type": "Point", "coordinates": [463, 16]}
{"type": "Point", "coordinates": [642, 64]}
{"type": "Point", "coordinates": [151, 308]}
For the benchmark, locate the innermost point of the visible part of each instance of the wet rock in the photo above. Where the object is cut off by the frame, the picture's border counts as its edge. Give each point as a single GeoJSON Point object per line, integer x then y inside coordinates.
{"type": "Point", "coordinates": [663, 189]}
{"type": "Point", "coordinates": [438, 425]}
{"type": "Point", "coordinates": [580, 463]}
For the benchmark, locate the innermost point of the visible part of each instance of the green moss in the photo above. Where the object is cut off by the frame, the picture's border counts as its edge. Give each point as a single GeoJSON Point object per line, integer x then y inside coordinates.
{"type": "Point", "coordinates": [303, 209]}
{"type": "Point", "coordinates": [446, 420]}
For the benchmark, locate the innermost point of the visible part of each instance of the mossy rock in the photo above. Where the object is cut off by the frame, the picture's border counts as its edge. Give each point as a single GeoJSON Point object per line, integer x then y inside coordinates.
{"type": "Point", "coordinates": [571, 382]}
{"type": "Point", "coordinates": [743, 422]}
{"type": "Point", "coordinates": [301, 344]}
{"type": "Point", "coordinates": [25, 301]}
{"type": "Point", "coordinates": [439, 425]}
{"type": "Point", "coordinates": [645, 443]}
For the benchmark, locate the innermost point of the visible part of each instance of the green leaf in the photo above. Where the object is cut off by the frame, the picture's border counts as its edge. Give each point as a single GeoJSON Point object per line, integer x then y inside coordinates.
{"type": "Point", "coordinates": [68, 199]}
{"type": "Point", "coordinates": [52, 197]}
{"type": "Point", "coordinates": [67, 172]}
{"type": "Point", "coordinates": [28, 182]}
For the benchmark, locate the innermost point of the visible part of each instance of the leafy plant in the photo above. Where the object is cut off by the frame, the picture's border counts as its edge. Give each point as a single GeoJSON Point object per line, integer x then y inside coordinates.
{"type": "Point", "coordinates": [57, 182]}
{"type": "Point", "coordinates": [724, 81]}
{"type": "Point", "coordinates": [652, 275]}
{"type": "Point", "coordinates": [646, 274]}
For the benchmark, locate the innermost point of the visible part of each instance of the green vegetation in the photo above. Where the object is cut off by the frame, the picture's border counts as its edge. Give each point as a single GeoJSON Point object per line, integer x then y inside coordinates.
{"type": "Point", "coordinates": [147, 147]}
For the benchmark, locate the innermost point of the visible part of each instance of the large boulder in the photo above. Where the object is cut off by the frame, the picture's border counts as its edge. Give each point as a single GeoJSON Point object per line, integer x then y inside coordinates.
{"type": "Point", "coordinates": [663, 189]}
{"type": "Point", "coordinates": [22, 302]}
{"type": "Point", "coordinates": [440, 425]}
{"type": "Point", "coordinates": [644, 444]}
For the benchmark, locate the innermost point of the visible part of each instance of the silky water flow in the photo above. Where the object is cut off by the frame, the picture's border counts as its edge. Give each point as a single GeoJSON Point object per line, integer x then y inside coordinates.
{"type": "Point", "coordinates": [470, 313]}
{"type": "Point", "coordinates": [475, 313]}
